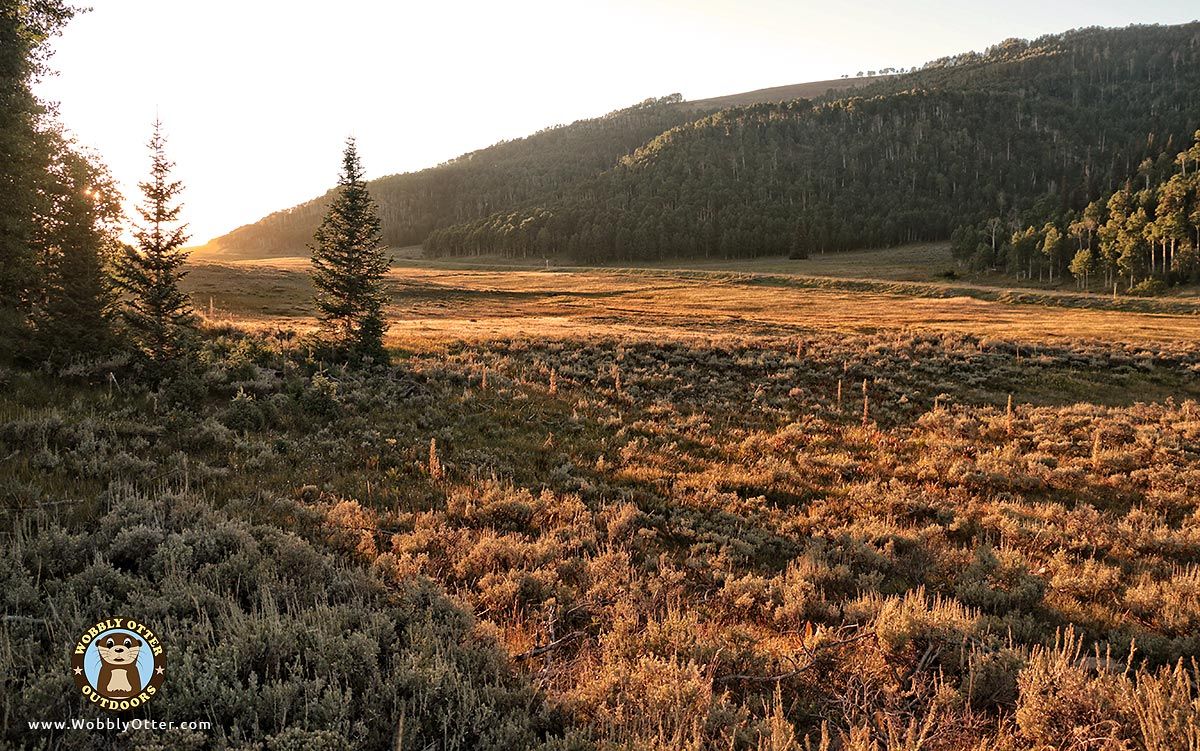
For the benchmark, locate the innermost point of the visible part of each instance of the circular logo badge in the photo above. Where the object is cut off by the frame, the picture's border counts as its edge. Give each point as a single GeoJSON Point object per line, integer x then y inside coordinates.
{"type": "Point", "coordinates": [118, 664]}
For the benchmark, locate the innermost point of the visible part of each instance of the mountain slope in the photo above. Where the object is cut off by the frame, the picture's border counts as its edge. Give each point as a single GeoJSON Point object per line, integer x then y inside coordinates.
{"type": "Point", "coordinates": [473, 185]}
{"type": "Point", "coordinates": [498, 178]}
{"type": "Point", "coordinates": [1025, 127]}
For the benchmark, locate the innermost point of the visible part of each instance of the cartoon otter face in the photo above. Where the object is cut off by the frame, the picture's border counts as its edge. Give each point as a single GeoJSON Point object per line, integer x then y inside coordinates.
{"type": "Point", "coordinates": [119, 649]}
{"type": "Point", "coordinates": [119, 678]}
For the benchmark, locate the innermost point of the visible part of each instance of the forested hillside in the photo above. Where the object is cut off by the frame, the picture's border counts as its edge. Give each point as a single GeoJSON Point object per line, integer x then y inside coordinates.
{"type": "Point", "coordinates": [504, 176]}
{"type": "Point", "coordinates": [1024, 129]}
{"type": "Point", "coordinates": [476, 184]}
{"type": "Point", "coordinates": [1146, 233]}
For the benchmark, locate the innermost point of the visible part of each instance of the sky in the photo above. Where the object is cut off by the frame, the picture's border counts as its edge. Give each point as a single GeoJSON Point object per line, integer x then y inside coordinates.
{"type": "Point", "coordinates": [257, 96]}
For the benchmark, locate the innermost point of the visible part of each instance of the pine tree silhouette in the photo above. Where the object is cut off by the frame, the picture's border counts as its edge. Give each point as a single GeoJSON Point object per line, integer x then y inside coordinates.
{"type": "Point", "coordinates": [157, 312]}
{"type": "Point", "coordinates": [348, 265]}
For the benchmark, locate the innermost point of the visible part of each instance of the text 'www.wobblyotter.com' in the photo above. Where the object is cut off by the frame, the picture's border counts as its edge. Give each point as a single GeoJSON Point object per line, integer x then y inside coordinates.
{"type": "Point", "coordinates": [112, 723]}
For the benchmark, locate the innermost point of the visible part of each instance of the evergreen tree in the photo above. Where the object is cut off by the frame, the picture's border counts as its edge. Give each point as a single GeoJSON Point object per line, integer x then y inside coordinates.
{"type": "Point", "coordinates": [158, 313]}
{"type": "Point", "coordinates": [25, 30]}
{"type": "Point", "coordinates": [80, 239]}
{"type": "Point", "coordinates": [799, 242]}
{"type": "Point", "coordinates": [349, 263]}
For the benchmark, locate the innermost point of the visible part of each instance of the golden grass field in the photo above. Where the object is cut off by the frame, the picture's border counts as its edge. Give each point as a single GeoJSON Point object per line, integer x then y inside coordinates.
{"type": "Point", "coordinates": [436, 301]}
{"type": "Point", "coordinates": [664, 509]}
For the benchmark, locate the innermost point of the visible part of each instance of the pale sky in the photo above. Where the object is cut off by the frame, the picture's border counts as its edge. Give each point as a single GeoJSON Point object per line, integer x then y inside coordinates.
{"type": "Point", "coordinates": [257, 95]}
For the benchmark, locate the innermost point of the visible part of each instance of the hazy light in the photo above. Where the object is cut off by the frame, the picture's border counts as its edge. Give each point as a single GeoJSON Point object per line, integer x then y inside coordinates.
{"type": "Point", "coordinates": [257, 97]}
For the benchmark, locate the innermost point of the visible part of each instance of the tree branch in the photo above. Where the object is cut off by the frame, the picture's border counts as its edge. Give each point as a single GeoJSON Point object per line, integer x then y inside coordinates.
{"type": "Point", "coordinates": [539, 651]}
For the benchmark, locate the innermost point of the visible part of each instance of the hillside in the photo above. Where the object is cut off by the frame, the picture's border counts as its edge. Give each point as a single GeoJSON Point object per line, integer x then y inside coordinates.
{"type": "Point", "coordinates": [501, 177]}
{"type": "Point", "coordinates": [993, 147]}
{"type": "Point", "coordinates": [1024, 129]}
{"type": "Point", "coordinates": [473, 185]}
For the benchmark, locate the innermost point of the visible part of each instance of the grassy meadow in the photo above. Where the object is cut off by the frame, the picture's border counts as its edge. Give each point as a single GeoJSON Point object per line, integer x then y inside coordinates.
{"type": "Point", "coordinates": [652, 509]}
{"type": "Point", "coordinates": [433, 300]}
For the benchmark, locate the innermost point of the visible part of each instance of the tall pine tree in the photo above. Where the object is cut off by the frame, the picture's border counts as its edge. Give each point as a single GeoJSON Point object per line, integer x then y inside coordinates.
{"type": "Point", "coordinates": [158, 313]}
{"type": "Point", "coordinates": [78, 240]}
{"type": "Point", "coordinates": [349, 263]}
{"type": "Point", "coordinates": [25, 31]}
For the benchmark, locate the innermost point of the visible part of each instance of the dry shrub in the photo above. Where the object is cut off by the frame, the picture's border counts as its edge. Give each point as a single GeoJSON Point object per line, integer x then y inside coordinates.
{"type": "Point", "coordinates": [916, 627]}
{"type": "Point", "coordinates": [1172, 605]}
{"type": "Point", "coordinates": [649, 702]}
{"type": "Point", "coordinates": [1167, 706]}
{"type": "Point", "coordinates": [353, 528]}
{"type": "Point", "coordinates": [1067, 703]}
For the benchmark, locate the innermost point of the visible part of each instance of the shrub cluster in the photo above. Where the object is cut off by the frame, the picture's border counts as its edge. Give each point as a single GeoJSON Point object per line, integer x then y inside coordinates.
{"type": "Point", "coordinates": [620, 544]}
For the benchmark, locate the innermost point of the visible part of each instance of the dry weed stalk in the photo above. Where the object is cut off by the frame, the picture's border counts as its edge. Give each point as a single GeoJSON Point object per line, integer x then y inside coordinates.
{"type": "Point", "coordinates": [436, 470]}
{"type": "Point", "coordinates": [866, 415]}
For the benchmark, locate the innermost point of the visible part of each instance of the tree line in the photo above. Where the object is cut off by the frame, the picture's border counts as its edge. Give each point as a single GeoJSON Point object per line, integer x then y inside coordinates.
{"type": "Point", "coordinates": [72, 287]}
{"type": "Point", "coordinates": [58, 205]}
{"type": "Point", "coordinates": [1146, 233]}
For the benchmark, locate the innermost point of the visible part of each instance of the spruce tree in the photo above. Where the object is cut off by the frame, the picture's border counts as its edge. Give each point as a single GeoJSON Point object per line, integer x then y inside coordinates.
{"type": "Point", "coordinates": [157, 312]}
{"type": "Point", "coordinates": [81, 235]}
{"type": "Point", "coordinates": [349, 263]}
{"type": "Point", "coordinates": [25, 31]}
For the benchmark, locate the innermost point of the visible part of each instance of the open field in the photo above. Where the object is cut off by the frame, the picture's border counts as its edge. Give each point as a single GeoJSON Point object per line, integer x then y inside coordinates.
{"type": "Point", "coordinates": [430, 304]}
{"type": "Point", "coordinates": [918, 262]}
{"type": "Point", "coordinates": [629, 509]}
{"type": "Point", "coordinates": [929, 267]}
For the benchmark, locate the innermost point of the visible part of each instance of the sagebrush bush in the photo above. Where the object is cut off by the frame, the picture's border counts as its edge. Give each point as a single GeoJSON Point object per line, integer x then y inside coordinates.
{"type": "Point", "coordinates": [266, 636]}
{"type": "Point", "coordinates": [684, 544]}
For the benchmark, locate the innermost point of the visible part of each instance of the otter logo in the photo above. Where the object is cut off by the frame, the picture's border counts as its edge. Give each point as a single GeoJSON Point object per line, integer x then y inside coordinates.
{"type": "Point", "coordinates": [118, 664]}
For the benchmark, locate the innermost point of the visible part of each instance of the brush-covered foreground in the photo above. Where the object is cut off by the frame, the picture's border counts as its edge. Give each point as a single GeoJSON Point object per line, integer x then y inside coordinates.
{"type": "Point", "coordinates": [615, 543]}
